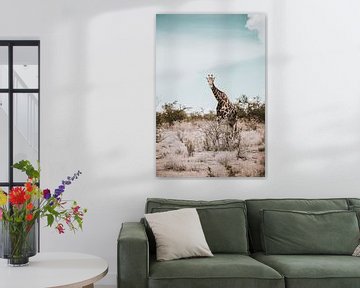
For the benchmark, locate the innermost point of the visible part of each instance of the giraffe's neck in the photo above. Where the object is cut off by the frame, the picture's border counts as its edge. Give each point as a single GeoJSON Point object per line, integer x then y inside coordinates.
{"type": "Point", "coordinates": [218, 94]}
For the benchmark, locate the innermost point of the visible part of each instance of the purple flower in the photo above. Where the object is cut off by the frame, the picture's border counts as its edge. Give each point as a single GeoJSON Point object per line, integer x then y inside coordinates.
{"type": "Point", "coordinates": [58, 192]}
{"type": "Point", "coordinates": [46, 194]}
{"type": "Point", "coordinates": [64, 183]}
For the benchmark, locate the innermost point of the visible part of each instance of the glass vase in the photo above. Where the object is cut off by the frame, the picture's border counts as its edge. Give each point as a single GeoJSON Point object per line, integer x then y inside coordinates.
{"type": "Point", "coordinates": [18, 242]}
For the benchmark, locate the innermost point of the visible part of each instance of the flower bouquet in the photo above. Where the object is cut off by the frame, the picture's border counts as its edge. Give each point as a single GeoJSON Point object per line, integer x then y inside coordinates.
{"type": "Point", "coordinates": [21, 208]}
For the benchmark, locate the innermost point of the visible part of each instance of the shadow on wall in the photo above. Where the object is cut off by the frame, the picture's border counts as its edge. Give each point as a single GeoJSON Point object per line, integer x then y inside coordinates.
{"type": "Point", "coordinates": [67, 74]}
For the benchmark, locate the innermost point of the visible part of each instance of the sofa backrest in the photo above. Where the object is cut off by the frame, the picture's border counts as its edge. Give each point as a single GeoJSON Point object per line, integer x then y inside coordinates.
{"type": "Point", "coordinates": [353, 202]}
{"type": "Point", "coordinates": [256, 205]}
{"type": "Point", "coordinates": [223, 221]}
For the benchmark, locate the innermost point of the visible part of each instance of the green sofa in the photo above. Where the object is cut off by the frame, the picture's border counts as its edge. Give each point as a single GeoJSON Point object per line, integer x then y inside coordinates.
{"type": "Point", "coordinates": [235, 234]}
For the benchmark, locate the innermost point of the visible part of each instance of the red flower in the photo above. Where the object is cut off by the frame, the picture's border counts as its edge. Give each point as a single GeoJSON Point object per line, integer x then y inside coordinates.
{"type": "Point", "coordinates": [68, 219]}
{"type": "Point", "coordinates": [29, 217]}
{"type": "Point", "coordinates": [60, 228]}
{"type": "Point", "coordinates": [29, 206]}
{"type": "Point", "coordinates": [75, 209]}
{"type": "Point", "coordinates": [27, 196]}
{"type": "Point", "coordinates": [17, 196]}
{"type": "Point", "coordinates": [29, 186]}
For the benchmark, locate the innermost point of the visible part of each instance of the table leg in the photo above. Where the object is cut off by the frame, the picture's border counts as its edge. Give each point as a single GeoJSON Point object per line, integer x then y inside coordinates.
{"type": "Point", "coordinates": [89, 286]}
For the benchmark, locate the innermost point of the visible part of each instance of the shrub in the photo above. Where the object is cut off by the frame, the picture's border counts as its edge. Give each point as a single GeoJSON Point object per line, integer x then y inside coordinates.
{"type": "Point", "coordinates": [230, 171]}
{"type": "Point", "coordinates": [194, 116]}
{"type": "Point", "coordinates": [171, 112]}
{"type": "Point", "coordinates": [261, 148]}
{"type": "Point", "coordinates": [180, 135]}
{"type": "Point", "coordinates": [210, 173]}
{"type": "Point", "coordinates": [190, 148]}
{"type": "Point", "coordinates": [221, 137]}
{"type": "Point", "coordinates": [224, 160]}
{"type": "Point", "coordinates": [173, 165]}
{"type": "Point", "coordinates": [250, 110]}
{"type": "Point", "coordinates": [159, 135]}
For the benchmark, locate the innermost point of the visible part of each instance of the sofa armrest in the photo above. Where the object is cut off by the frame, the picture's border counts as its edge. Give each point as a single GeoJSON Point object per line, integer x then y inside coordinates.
{"type": "Point", "coordinates": [133, 256]}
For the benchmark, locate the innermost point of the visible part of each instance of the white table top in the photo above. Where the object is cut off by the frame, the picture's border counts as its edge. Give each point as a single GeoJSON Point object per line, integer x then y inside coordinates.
{"type": "Point", "coordinates": [68, 270]}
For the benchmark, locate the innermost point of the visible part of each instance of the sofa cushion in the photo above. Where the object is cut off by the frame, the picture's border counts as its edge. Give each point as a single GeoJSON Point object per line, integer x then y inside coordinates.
{"type": "Point", "coordinates": [297, 232]}
{"type": "Point", "coordinates": [222, 270]}
{"type": "Point", "coordinates": [223, 221]}
{"type": "Point", "coordinates": [178, 234]}
{"type": "Point", "coordinates": [313, 271]}
{"type": "Point", "coordinates": [254, 207]}
{"type": "Point", "coordinates": [356, 209]}
{"type": "Point", "coordinates": [353, 201]}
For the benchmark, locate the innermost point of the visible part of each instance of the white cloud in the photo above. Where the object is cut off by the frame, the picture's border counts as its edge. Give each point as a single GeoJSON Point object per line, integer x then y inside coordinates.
{"type": "Point", "coordinates": [256, 22]}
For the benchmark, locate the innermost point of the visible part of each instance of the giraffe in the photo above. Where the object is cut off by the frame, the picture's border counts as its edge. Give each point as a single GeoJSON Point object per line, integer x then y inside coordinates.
{"type": "Point", "coordinates": [225, 110]}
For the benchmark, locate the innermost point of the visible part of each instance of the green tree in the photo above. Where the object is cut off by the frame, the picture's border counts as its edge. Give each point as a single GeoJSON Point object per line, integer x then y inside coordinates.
{"type": "Point", "coordinates": [171, 113]}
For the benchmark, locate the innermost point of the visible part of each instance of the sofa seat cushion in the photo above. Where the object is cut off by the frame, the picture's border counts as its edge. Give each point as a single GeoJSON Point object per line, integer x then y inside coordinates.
{"type": "Point", "coordinates": [222, 270]}
{"type": "Point", "coordinates": [313, 271]}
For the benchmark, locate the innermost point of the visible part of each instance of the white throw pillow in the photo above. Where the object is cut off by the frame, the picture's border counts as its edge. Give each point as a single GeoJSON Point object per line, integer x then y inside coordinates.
{"type": "Point", "coordinates": [178, 234]}
{"type": "Point", "coordinates": [357, 251]}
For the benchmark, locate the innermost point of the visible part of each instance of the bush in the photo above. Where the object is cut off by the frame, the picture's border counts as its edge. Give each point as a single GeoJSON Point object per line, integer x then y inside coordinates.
{"type": "Point", "coordinates": [221, 137]}
{"type": "Point", "coordinates": [250, 110]}
{"type": "Point", "coordinates": [210, 116]}
{"type": "Point", "coordinates": [171, 113]}
{"type": "Point", "coordinates": [174, 165]}
{"type": "Point", "coordinates": [190, 148]}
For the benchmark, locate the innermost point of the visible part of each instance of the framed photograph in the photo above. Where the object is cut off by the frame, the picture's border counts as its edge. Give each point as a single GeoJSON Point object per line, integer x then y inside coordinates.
{"type": "Point", "coordinates": [210, 95]}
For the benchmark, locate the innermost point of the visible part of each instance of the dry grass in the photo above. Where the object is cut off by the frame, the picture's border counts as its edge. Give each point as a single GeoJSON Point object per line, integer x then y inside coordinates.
{"type": "Point", "coordinates": [208, 149]}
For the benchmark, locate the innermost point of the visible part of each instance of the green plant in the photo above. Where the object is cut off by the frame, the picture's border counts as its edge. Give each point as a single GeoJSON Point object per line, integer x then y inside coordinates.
{"type": "Point", "coordinates": [171, 112]}
{"type": "Point", "coordinates": [250, 109]}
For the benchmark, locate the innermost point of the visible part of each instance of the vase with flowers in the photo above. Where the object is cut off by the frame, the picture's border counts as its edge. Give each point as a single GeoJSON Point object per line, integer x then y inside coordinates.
{"type": "Point", "coordinates": [22, 207]}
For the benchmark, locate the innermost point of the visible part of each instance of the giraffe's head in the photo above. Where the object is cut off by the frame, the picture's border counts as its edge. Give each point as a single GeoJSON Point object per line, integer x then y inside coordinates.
{"type": "Point", "coordinates": [210, 79]}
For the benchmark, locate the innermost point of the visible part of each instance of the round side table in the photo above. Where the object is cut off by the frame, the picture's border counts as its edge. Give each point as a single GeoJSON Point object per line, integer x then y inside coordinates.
{"type": "Point", "coordinates": [50, 270]}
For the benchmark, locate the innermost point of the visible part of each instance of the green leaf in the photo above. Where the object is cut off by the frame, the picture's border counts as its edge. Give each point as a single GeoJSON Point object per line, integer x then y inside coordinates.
{"type": "Point", "coordinates": [79, 221]}
{"type": "Point", "coordinates": [28, 168]}
{"type": "Point", "coordinates": [51, 210]}
{"type": "Point", "coordinates": [50, 219]}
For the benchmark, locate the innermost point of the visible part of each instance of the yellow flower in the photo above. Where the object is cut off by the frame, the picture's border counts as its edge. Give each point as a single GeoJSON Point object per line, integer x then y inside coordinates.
{"type": "Point", "coordinates": [3, 198]}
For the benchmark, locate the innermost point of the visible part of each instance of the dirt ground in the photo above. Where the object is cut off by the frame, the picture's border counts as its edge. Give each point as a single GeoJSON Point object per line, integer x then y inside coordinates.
{"type": "Point", "coordinates": [209, 149]}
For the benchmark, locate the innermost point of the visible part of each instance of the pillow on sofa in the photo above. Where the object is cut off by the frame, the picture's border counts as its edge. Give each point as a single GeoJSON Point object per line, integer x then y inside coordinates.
{"type": "Point", "coordinates": [178, 234]}
{"type": "Point", "coordinates": [225, 229]}
{"type": "Point", "coordinates": [224, 222]}
{"type": "Point", "coordinates": [357, 251]}
{"type": "Point", "coordinates": [299, 232]}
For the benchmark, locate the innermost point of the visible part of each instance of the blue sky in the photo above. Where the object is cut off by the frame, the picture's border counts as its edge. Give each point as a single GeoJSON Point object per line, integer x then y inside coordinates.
{"type": "Point", "coordinates": [190, 46]}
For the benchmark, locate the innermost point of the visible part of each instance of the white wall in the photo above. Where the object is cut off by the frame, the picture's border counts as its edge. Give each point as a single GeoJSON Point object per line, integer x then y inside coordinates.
{"type": "Point", "coordinates": [97, 105]}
